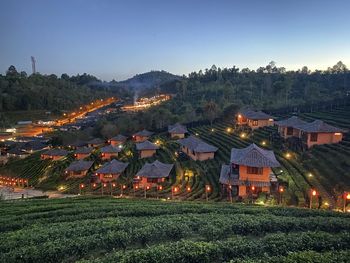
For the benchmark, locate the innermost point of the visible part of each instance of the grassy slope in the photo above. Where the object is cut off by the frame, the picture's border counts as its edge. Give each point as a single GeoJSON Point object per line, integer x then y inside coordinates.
{"type": "Point", "coordinates": [107, 230]}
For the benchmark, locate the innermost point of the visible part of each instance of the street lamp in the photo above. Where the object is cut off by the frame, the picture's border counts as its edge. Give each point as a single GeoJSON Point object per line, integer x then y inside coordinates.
{"type": "Point", "coordinates": [346, 199]}
{"type": "Point", "coordinates": [312, 194]}
{"type": "Point", "coordinates": [281, 190]}
{"type": "Point", "coordinates": [207, 190]}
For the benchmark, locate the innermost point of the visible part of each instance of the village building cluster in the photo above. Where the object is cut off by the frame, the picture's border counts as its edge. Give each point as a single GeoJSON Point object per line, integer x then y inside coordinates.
{"type": "Point", "coordinates": [249, 172]}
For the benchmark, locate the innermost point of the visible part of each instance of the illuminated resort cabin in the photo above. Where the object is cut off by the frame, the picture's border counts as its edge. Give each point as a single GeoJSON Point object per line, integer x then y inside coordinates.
{"type": "Point", "coordinates": [142, 136]}
{"type": "Point", "coordinates": [97, 142]}
{"type": "Point", "coordinates": [177, 131]}
{"type": "Point", "coordinates": [287, 128]}
{"type": "Point", "coordinates": [152, 174]}
{"type": "Point", "coordinates": [254, 119]}
{"type": "Point", "coordinates": [318, 132]}
{"type": "Point", "coordinates": [197, 149]}
{"type": "Point", "coordinates": [249, 171]}
{"type": "Point", "coordinates": [78, 169]}
{"type": "Point", "coordinates": [117, 140]}
{"type": "Point", "coordinates": [77, 144]}
{"type": "Point", "coordinates": [17, 153]}
{"type": "Point", "coordinates": [109, 151]}
{"type": "Point", "coordinates": [111, 171]}
{"type": "Point", "coordinates": [83, 152]}
{"type": "Point", "coordinates": [146, 149]}
{"type": "Point", "coordinates": [54, 154]}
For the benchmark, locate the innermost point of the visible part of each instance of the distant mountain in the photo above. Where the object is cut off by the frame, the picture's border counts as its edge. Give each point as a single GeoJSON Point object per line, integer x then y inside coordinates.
{"type": "Point", "coordinates": [148, 80]}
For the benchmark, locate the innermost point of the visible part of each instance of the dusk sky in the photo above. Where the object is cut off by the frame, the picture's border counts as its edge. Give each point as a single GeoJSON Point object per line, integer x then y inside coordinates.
{"type": "Point", "coordinates": [118, 39]}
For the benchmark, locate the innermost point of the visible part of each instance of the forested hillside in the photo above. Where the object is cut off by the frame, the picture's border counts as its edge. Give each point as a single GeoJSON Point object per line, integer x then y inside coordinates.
{"type": "Point", "coordinates": [267, 88]}
{"type": "Point", "coordinates": [48, 92]}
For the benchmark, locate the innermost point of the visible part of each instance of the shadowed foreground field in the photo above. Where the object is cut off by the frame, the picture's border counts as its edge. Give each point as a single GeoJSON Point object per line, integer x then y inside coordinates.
{"type": "Point", "coordinates": [121, 230]}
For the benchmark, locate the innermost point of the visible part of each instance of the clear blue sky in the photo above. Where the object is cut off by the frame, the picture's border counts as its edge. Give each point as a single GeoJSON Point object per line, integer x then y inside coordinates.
{"type": "Point", "coordinates": [117, 39]}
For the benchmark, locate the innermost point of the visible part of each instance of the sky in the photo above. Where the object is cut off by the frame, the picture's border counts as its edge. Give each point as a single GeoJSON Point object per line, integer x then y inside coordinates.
{"type": "Point", "coordinates": [118, 39]}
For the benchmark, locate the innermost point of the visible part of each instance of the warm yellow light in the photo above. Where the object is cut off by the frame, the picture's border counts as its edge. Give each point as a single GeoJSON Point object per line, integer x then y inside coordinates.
{"type": "Point", "coordinates": [326, 203]}
{"type": "Point", "coordinates": [188, 189]}
{"type": "Point", "coordinates": [337, 133]}
{"type": "Point", "coordinates": [314, 192]}
{"type": "Point", "coordinates": [239, 116]}
{"type": "Point", "coordinates": [228, 129]}
{"type": "Point", "coordinates": [263, 143]}
{"type": "Point", "coordinates": [270, 119]}
{"type": "Point", "coordinates": [288, 155]}
{"type": "Point", "coordinates": [310, 175]}
{"type": "Point", "coordinates": [212, 130]}
{"type": "Point", "coordinates": [197, 134]}
{"type": "Point", "coordinates": [243, 135]}
{"type": "Point", "coordinates": [348, 196]}
{"type": "Point", "coordinates": [208, 188]}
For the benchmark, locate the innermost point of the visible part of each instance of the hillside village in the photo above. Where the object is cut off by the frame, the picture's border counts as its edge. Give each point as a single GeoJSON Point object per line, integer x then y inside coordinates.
{"type": "Point", "coordinates": [194, 162]}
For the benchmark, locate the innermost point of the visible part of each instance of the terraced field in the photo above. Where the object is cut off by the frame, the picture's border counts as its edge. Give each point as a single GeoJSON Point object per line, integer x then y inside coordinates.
{"type": "Point", "coordinates": [128, 230]}
{"type": "Point", "coordinates": [328, 164]}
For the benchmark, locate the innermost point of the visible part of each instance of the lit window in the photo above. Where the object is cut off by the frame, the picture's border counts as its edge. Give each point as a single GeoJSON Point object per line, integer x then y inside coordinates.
{"type": "Point", "coordinates": [254, 170]}
{"type": "Point", "coordinates": [313, 137]}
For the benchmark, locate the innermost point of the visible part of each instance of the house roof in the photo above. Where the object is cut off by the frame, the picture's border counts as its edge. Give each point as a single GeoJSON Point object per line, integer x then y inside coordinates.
{"type": "Point", "coordinates": [113, 167]}
{"type": "Point", "coordinates": [119, 137]}
{"type": "Point", "coordinates": [110, 149]}
{"type": "Point", "coordinates": [319, 126]}
{"type": "Point", "coordinates": [143, 133]}
{"type": "Point", "coordinates": [16, 151]}
{"type": "Point", "coordinates": [146, 145]}
{"type": "Point", "coordinates": [197, 145]}
{"type": "Point", "coordinates": [96, 141]}
{"type": "Point", "coordinates": [254, 156]}
{"type": "Point", "coordinates": [156, 169]}
{"type": "Point", "coordinates": [291, 122]}
{"type": "Point", "coordinates": [56, 152]}
{"type": "Point", "coordinates": [33, 145]}
{"type": "Point", "coordinates": [84, 150]}
{"type": "Point", "coordinates": [79, 166]}
{"type": "Point", "coordinates": [78, 144]}
{"type": "Point", "coordinates": [177, 128]}
{"type": "Point", "coordinates": [256, 115]}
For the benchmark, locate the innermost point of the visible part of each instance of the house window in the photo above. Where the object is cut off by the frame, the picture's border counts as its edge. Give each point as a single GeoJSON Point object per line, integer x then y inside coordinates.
{"type": "Point", "coordinates": [289, 131]}
{"type": "Point", "coordinates": [254, 170]}
{"type": "Point", "coordinates": [255, 123]}
{"type": "Point", "coordinates": [152, 180]}
{"type": "Point", "coordinates": [313, 137]}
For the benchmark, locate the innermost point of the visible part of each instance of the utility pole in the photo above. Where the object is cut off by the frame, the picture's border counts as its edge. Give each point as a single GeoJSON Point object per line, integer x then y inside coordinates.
{"type": "Point", "coordinates": [33, 64]}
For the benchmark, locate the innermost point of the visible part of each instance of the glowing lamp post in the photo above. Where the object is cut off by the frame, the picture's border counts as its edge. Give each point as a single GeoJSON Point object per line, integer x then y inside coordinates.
{"type": "Point", "coordinates": [136, 187]}
{"type": "Point", "coordinates": [122, 188]}
{"type": "Point", "coordinates": [312, 194]}
{"type": "Point", "coordinates": [159, 188]}
{"type": "Point", "coordinates": [207, 190]}
{"type": "Point", "coordinates": [346, 199]}
{"type": "Point", "coordinates": [174, 191]}
{"type": "Point", "coordinates": [281, 190]}
{"type": "Point", "coordinates": [81, 187]}
{"type": "Point", "coordinates": [146, 189]}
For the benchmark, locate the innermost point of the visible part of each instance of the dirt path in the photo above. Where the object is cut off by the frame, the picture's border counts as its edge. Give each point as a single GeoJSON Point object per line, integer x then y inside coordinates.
{"type": "Point", "coordinates": [9, 193]}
